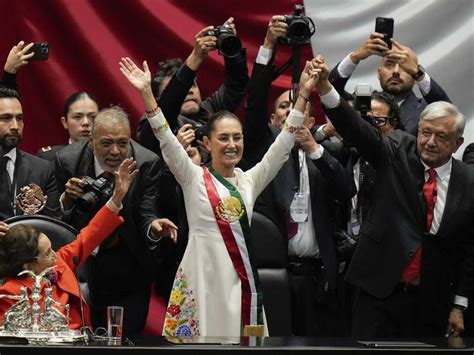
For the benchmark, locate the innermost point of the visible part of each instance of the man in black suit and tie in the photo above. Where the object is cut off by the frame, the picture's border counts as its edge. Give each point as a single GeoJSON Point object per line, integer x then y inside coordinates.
{"type": "Point", "coordinates": [124, 267]}
{"type": "Point", "coordinates": [310, 175]}
{"type": "Point", "coordinates": [397, 75]}
{"type": "Point", "coordinates": [414, 263]}
{"type": "Point", "coordinates": [18, 168]}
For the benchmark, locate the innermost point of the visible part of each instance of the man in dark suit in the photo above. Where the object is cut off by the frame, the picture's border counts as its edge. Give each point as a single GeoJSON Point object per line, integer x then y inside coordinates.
{"type": "Point", "coordinates": [180, 98]}
{"type": "Point", "coordinates": [123, 268]}
{"type": "Point", "coordinates": [468, 156]}
{"type": "Point", "coordinates": [414, 263]}
{"type": "Point", "coordinates": [317, 177]}
{"type": "Point", "coordinates": [398, 72]}
{"type": "Point", "coordinates": [17, 168]}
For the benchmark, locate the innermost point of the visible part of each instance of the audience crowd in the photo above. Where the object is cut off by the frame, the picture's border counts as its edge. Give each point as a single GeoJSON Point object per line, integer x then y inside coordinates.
{"type": "Point", "coordinates": [372, 209]}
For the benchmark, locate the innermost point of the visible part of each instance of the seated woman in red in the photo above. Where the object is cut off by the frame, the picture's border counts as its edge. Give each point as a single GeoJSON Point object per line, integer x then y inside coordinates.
{"type": "Point", "coordinates": [22, 247]}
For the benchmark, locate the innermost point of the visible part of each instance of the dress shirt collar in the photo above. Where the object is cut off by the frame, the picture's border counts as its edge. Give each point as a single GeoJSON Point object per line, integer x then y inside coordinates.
{"type": "Point", "coordinates": [12, 155]}
{"type": "Point", "coordinates": [443, 171]}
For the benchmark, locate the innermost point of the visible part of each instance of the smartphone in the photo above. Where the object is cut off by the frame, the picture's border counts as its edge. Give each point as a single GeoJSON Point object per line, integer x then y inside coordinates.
{"type": "Point", "coordinates": [384, 25]}
{"type": "Point", "coordinates": [41, 50]}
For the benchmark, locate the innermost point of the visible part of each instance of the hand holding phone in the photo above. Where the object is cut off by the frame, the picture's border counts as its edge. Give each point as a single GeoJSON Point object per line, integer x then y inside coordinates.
{"type": "Point", "coordinates": [384, 25]}
{"type": "Point", "coordinates": [40, 50]}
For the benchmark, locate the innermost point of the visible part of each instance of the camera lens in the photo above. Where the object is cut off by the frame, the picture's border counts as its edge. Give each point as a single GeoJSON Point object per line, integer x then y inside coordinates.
{"type": "Point", "coordinates": [87, 201]}
{"type": "Point", "coordinates": [229, 45]}
{"type": "Point", "coordinates": [299, 31]}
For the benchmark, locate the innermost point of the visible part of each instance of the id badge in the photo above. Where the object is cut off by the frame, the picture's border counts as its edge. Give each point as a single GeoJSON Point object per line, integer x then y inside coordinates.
{"type": "Point", "coordinates": [299, 207]}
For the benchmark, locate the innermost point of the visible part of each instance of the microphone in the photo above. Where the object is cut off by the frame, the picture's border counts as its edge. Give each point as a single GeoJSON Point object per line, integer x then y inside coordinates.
{"type": "Point", "coordinates": [84, 329]}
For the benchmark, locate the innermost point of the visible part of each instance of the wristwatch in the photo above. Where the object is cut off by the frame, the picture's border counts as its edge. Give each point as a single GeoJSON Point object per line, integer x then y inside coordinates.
{"type": "Point", "coordinates": [458, 306]}
{"type": "Point", "coordinates": [419, 74]}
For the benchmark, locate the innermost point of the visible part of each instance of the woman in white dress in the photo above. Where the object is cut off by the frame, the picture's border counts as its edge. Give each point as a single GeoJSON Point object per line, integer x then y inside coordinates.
{"type": "Point", "coordinates": [216, 289]}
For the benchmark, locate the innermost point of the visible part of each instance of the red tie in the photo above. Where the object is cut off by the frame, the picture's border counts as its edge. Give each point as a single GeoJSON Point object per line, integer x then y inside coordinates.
{"type": "Point", "coordinates": [430, 192]}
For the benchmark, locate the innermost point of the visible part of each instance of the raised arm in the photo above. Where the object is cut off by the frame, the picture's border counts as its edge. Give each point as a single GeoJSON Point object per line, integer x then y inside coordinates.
{"type": "Point", "coordinates": [257, 134]}
{"type": "Point", "coordinates": [348, 123]}
{"type": "Point", "coordinates": [174, 154]}
{"type": "Point", "coordinates": [16, 59]}
{"type": "Point", "coordinates": [277, 155]}
{"type": "Point", "coordinates": [106, 219]}
{"type": "Point", "coordinates": [231, 93]}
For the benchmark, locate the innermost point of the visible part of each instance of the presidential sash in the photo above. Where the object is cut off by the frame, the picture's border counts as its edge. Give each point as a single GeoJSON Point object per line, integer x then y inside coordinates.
{"type": "Point", "coordinates": [232, 220]}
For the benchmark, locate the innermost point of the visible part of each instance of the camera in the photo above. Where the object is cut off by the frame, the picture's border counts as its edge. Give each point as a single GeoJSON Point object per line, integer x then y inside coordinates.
{"type": "Point", "coordinates": [363, 93]}
{"type": "Point", "coordinates": [199, 133]}
{"type": "Point", "coordinates": [97, 192]}
{"type": "Point", "coordinates": [228, 43]}
{"type": "Point", "coordinates": [300, 28]}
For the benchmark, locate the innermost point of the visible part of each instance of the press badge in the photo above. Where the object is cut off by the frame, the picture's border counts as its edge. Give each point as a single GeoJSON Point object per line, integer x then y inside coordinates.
{"type": "Point", "coordinates": [299, 207]}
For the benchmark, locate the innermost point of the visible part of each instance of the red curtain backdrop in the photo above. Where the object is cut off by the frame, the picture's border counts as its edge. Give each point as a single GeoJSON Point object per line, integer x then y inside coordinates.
{"type": "Point", "coordinates": [87, 38]}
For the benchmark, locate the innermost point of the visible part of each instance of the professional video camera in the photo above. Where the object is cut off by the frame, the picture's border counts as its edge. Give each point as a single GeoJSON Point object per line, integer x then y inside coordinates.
{"type": "Point", "coordinates": [300, 28]}
{"type": "Point", "coordinates": [97, 191]}
{"type": "Point", "coordinates": [228, 43]}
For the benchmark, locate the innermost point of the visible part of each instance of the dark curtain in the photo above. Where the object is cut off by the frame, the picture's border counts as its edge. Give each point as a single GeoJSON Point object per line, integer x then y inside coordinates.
{"type": "Point", "coordinates": [87, 38]}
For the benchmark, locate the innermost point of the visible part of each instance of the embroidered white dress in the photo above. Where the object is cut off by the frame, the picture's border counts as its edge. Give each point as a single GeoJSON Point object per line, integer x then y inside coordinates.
{"type": "Point", "coordinates": [206, 295]}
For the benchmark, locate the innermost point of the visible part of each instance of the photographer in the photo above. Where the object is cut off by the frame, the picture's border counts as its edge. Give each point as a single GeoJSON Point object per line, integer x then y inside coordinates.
{"type": "Point", "coordinates": [398, 72]}
{"type": "Point", "coordinates": [310, 172]}
{"type": "Point", "coordinates": [124, 267]}
{"type": "Point", "coordinates": [176, 87]}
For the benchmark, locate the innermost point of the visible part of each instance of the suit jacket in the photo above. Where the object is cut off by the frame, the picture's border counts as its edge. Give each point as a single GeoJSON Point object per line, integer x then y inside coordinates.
{"type": "Point", "coordinates": [66, 289]}
{"type": "Point", "coordinates": [328, 180]}
{"type": "Point", "coordinates": [31, 169]}
{"type": "Point", "coordinates": [139, 205]}
{"type": "Point", "coordinates": [396, 223]}
{"type": "Point", "coordinates": [411, 107]}
{"type": "Point", "coordinates": [468, 156]}
{"type": "Point", "coordinates": [49, 152]}
{"type": "Point", "coordinates": [227, 97]}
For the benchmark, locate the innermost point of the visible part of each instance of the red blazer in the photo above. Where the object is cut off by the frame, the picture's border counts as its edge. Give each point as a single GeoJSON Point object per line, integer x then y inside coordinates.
{"type": "Point", "coordinates": [66, 289]}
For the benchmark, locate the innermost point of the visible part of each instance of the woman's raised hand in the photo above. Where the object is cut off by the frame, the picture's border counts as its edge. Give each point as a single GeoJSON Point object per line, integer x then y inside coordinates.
{"type": "Point", "coordinates": [140, 79]}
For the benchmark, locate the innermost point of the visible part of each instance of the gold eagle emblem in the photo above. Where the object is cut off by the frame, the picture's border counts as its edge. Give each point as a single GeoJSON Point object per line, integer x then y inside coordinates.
{"type": "Point", "coordinates": [230, 209]}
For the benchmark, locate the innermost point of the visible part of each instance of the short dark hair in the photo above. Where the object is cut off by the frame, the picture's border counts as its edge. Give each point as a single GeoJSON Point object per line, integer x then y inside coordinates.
{"type": "Point", "coordinates": [211, 123]}
{"type": "Point", "coordinates": [18, 246]}
{"type": "Point", "coordinates": [394, 113]}
{"type": "Point", "coordinates": [168, 68]}
{"type": "Point", "coordinates": [8, 93]}
{"type": "Point", "coordinates": [76, 97]}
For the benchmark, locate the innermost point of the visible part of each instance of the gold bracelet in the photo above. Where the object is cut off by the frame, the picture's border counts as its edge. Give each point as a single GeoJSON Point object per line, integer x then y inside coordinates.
{"type": "Point", "coordinates": [305, 98]}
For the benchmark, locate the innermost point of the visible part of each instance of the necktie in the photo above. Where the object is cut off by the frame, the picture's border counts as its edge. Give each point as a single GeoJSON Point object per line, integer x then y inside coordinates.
{"type": "Point", "coordinates": [430, 193]}
{"type": "Point", "coordinates": [291, 228]}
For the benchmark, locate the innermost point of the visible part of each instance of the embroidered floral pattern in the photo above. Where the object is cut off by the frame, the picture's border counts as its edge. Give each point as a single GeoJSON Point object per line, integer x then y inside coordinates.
{"type": "Point", "coordinates": [290, 129]}
{"type": "Point", "coordinates": [181, 314]}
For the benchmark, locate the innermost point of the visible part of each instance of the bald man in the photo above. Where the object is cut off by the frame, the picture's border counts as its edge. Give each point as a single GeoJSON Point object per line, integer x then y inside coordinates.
{"type": "Point", "coordinates": [398, 72]}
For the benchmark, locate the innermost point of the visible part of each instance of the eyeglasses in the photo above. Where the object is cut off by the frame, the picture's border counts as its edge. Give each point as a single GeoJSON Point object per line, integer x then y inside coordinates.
{"type": "Point", "coordinates": [379, 121]}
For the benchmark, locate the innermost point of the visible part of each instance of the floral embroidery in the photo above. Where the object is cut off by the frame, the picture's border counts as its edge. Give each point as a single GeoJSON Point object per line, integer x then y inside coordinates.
{"type": "Point", "coordinates": [181, 314]}
{"type": "Point", "coordinates": [290, 129]}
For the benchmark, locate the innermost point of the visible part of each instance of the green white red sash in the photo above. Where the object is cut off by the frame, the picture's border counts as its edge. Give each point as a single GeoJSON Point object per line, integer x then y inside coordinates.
{"type": "Point", "coordinates": [231, 217]}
